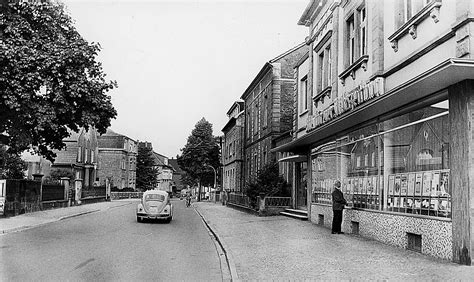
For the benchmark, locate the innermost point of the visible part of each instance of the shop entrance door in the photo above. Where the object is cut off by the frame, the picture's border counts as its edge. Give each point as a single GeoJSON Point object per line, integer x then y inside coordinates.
{"type": "Point", "coordinates": [301, 185]}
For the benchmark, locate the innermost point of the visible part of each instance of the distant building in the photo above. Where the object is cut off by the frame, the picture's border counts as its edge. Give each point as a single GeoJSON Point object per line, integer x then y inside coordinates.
{"type": "Point", "coordinates": [232, 148]}
{"type": "Point", "coordinates": [78, 160]}
{"type": "Point", "coordinates": [177, 184]}
{"type": "Point", "coordinates": [269, 109]}
{"type": "Point", "coordinates": [117, 160]}
{"type": "Point", "coordinates": [165, 173]}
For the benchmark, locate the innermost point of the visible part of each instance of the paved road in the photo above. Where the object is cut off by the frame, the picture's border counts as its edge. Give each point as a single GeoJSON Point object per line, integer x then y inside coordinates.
{"type": "Point", "coordinates": [111, 246]}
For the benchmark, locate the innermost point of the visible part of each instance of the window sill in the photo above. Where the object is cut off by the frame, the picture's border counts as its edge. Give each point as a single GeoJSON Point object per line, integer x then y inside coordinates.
{"type": "Point", "coordinates": [359, 63]}
{"type": "Point", "coordinates": [430, 10]}
{"type": "Point", "coordinates": [323, 93]}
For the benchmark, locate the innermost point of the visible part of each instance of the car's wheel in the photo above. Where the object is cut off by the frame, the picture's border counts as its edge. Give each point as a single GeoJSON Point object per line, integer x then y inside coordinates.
{"type": "Point", "coordinates": [168, 220]}
{"type": "Point", "coordinates": [139, 219]}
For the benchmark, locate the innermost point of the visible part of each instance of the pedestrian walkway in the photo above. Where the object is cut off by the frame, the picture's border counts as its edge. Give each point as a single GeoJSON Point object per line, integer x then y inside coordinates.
{"type": "Point", "coordinates": [29, 220]}
{"type": "Point", "coordinates": [281, 248]}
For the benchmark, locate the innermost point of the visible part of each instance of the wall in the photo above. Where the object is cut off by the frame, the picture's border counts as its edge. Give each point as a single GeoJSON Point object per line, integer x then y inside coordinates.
{"type": "Point", "coordinates": [301, 116]}
{"type": "Point", "coordinates": [110, 162]}
{"type": "Point", "coordinates": [391, 228]}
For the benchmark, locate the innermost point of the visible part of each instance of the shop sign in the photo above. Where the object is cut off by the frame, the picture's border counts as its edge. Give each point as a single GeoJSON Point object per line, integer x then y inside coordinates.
{"type": "Point", "coordinates": [347, 102]}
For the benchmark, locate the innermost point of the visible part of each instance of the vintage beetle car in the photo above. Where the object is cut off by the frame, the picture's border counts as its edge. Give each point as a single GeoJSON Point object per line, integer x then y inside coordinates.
{"type": "Point", "coordinates": [155, 204]}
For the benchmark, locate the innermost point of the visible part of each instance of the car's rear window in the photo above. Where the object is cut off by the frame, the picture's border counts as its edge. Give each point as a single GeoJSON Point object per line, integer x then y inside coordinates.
{"type": "Point", "coordinates": [154, 197]}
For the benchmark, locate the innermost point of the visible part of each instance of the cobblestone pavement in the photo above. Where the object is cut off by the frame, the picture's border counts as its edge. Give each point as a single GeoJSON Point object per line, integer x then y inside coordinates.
{"type": "Point", "coordinates": [282, 248]}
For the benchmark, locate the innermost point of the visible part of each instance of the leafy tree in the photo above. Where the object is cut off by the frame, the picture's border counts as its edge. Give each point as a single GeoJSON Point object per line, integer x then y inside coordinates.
{"type": "Point", "coordinates": [146, 171]}
{"type": "Point", "coordinates": [49, 78]}
{"type": "Point", "coordinates": [56, 175]}
{"type": "Point", "coordinates": [11, 165]}
{"type": "Point", "coordinates": [268, 182]}
{"type": "Point", "coordinates": [188, 180]}
{"type": "Point", "coordinates": [200, 152]}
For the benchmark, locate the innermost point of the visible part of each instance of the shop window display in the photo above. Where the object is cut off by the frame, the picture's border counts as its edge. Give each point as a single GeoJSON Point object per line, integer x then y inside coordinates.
{"type": "Point", "coordinates": [399, 165]}
{"type": "Point", "coordinates": [417, 162]}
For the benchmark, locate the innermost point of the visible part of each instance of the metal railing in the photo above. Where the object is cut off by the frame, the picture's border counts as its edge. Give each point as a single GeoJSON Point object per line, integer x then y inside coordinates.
{"type": "Point", "coordinates": [126, 195]}
{"type": "Point", "coordinates": [277, 201]}
{"type": "Point", "coordinates": [239, 199]}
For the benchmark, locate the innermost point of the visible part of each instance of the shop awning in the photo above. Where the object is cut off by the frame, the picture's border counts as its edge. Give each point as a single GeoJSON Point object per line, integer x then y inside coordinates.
{"type": "Point", "coordinates": [294, 158]}
{"type": "Point", "coordinates": [432, 81]}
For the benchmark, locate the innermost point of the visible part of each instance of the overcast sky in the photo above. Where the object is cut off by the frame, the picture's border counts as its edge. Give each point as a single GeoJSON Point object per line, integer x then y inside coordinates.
{"type": "Point", "coordinates": [178, 61]}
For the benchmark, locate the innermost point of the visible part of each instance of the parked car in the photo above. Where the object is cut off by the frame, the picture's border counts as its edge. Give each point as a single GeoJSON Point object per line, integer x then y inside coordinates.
{"type": "Point", "coordinates": [156, 205]}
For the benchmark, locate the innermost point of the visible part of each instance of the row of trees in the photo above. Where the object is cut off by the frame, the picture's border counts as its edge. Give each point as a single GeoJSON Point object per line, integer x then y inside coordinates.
{"type": "Point", "coordinates": [202, 151]}
{"type": "Point", "coordinates": [50, 81]}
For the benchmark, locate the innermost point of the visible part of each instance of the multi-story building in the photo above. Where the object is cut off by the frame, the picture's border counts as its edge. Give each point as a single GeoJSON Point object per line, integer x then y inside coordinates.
{"type": "Point", "coordinates": [78, 160]}
{"type": "Point", "coordinates": [232, 148]}
{"type": "Point", "coordinates": [177, 184]}
{"type": "Point", "coordinates": [387, 111]}
{"type": "Point", "coordinates": [164, 173]}
{"type": "Point", "coordinates": [117, 160]}
{"type": "Point", "coordinates": [268, 109]}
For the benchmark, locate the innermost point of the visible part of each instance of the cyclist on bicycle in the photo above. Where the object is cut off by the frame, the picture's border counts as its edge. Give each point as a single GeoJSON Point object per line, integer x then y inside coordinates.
{"type": "Point", "coordinates": [188, 199]}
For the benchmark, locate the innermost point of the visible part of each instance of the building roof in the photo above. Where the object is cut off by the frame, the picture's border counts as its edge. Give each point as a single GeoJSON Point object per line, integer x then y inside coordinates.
{"type": "Point", "coordinates": [145, 144]}
{"type": "Point", "coordinates": [160, 160]}
{"type": "Point", "coordinates": [110, 132]}
{"type": "Point", "coordinates": [266, 67]}
{"type": "Point", "coordinates": [174, 164]}
{"type": "Point", "coordinates": [229, 124]}
{"type": "Point", "coordinates": [302, 60]}
{"type": "Point", "coordinates": [305, 19]}
{"type": "Point", "coordinates": [239, 104]}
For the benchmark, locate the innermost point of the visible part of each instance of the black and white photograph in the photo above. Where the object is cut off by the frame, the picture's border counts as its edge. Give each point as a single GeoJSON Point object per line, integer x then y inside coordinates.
{"type": "Point", "coordinates": [236, 140]}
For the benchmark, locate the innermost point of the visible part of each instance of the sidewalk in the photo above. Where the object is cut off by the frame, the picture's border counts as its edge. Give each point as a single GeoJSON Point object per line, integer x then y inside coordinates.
{"type": "Point", "coordinates": [29, 220]}
{"type": "Point", "coordinates": [281, 248]}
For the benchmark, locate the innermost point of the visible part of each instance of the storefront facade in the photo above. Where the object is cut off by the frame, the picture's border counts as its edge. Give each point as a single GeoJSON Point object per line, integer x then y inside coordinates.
{"type": "Point", "coordinates": [389, 117]}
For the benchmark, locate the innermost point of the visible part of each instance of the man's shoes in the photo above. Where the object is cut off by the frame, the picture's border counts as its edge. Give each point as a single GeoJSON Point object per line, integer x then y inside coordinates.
{"type": "Point", "coordinates": [340, 232]}
{"type": "Point", "coordinates": [333, 232]}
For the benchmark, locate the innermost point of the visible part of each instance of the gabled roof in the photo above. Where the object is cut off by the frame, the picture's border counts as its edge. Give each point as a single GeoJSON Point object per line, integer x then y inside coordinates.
{"type": "Point", "coordinates": [159, 160]}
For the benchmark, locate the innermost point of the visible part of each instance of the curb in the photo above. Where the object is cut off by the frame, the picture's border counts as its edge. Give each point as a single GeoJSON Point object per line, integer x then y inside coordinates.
{"type": "Point", "coordinates": [76, 214]}
{"type": "Point", "coordinates": [230, 263]}
{"type": "Point", "coordinates": [22, 228]}
{"type": "Point", "coordinates": [26, 227]}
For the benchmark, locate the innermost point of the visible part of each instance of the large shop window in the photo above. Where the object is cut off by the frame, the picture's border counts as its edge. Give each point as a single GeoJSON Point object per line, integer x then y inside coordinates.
{"type": "Point", "coordinates": [399, 165]}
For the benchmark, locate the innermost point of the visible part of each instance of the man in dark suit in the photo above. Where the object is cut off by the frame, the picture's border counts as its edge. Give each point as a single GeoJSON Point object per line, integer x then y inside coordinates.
{"type": "Point", "coordinates": [338, 203]}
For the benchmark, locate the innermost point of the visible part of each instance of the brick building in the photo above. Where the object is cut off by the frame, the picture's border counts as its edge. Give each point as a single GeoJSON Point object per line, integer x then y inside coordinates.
{"type": "Point", "coordinates": [385, 108]}
{"type": "Point", "coordinates": [77, 160]}
{"type": "Point", "coordinates": [232, 148]}
{"type": "Point", "coordinates": [268, 109]}
{"type": "Point", "coordinates": [117, 160]}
